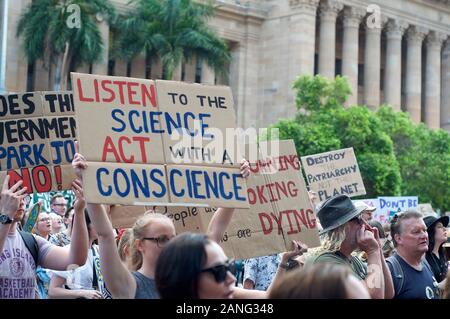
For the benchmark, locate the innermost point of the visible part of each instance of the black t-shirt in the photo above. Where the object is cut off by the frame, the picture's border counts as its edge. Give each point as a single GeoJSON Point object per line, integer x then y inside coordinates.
{"type": "Point", "coordinates": [417, 284]}
{"type": "Point", "coordinates": [439, 265]}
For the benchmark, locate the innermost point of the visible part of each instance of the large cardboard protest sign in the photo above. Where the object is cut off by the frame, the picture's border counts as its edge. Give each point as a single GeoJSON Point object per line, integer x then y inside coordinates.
{"type": "Point", "coordinates": [334, 173]}
{"type": "Point", "coordinates": [280, 210]}
{"type": "Point", "coordinates": [37, 132]}
{"type": "Point", "coordinates": [201, 114]}
{"type": "Point", "coordinates": [389, 206]}
{"type": "Point", "coordinates": [130, 129]}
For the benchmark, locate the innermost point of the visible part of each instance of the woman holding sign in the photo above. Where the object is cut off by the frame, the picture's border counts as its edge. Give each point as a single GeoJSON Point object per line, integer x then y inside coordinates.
{"type": "Point", "coordinates": [151, 233]}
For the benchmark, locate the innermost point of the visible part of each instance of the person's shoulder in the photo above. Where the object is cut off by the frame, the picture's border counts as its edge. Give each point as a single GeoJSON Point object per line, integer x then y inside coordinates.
{"type": "Point", "coordinates": [326, 256]}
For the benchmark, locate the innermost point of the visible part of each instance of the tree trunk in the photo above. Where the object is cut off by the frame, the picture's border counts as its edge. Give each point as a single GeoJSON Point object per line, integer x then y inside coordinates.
{"type": "Point", "coordinates": [64, 68]}
{"type": "Point", "coordinates": [59, 75]}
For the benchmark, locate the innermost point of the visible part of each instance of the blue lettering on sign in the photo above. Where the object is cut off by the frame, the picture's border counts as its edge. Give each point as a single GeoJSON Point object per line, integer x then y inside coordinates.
{"type": "Point", "coordinates": [108, 192]}
{"type": "Point", "coordinates": [222, 175]}
{"type": "Point", "coordinates": [172, 182]}
{"type": "Point", "coordinates": [237, 187]}
{"type": "Point", "coordinates": [122, 123]}
{"type": "Point", "coordinates": [197, 184]}
{"type": "Point", "coordinates": [135, 182]}
{"type": "Point", "coordinates": [68, 147]}
{"type": "Point", "coordinates": [23, 156]}
{"type": "Point", "coordinates": [125, 179]}
{"type": "Point", "coordinates": [159, 182]}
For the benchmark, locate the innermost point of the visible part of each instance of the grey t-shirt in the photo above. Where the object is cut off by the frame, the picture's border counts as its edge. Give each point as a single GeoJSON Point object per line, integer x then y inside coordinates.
{"type": "Point", "coordinates": [145, 287]}
{"type": "Point", "coordinates": [17, 267]}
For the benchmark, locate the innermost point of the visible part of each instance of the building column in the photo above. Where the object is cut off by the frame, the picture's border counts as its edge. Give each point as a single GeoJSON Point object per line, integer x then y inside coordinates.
{"type": "Point", "coordinates": [415, 36]}
{"type": "Point", "coordinates": [393, 67]}
{"type": "Point", "coordinates": [208, 75]}
{"type": "Point", "coordinates": [189, 70]}
{"type": "Point", "coordinates": [302, 33]}
{"type": "Point", "coordinates": [327, 46]}
{"type": "Point", "coordinates": [433, 80]}
{"type": "Point", "coordinates": [350, 57]}
{"type": "Point", "coordinates": [176, 76]}
{"type": "Point", "coordinates": [372, 64]}
{"type": "Point", "coordinates": [445, 88]}
{"type": "Point", "coordinates": [101, 67]}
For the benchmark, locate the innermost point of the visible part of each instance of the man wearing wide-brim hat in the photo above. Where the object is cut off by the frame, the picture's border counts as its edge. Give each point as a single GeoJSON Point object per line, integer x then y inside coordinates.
{"type": "Point", "coordinates": [344, 231]}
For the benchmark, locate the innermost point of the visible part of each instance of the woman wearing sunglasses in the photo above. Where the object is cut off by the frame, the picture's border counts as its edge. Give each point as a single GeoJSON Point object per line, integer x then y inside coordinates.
{"type": "Point", "coordinates": [150, 234]}
{"type": "Point", "coordinates": [192, 266]}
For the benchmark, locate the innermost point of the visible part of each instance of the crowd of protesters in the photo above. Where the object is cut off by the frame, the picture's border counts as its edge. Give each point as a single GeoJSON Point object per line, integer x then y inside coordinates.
{"type": "Point", "coordinates": [75, 253]}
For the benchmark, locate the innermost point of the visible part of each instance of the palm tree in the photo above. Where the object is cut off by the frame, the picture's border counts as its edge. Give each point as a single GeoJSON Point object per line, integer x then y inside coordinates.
{"type": "Point", "coordinates": [48, 35]}
{"type": "Point", "coordinates": [173, 30]}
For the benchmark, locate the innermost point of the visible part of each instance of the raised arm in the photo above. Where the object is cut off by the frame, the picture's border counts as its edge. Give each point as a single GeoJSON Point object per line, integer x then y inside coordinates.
{"type": "Point", "coordinates": [222, 216]}
{"type": "Point", "coordinates": [59, 258]}
{"type": "Point", "coordinates": [57, 291]}
{"type": "Point", "coordinates": [10, 199]}
{"type": "Point", "coordinates": [118, 279]}
{"type": "Point", "coordinates": [375, 281]}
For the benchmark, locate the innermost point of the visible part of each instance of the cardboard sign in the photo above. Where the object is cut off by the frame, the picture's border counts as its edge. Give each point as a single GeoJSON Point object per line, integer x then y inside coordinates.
{"type": "Point", "coordinates": [389, 206]}
{"type": "Point", "coordinates": [333, 173]}
{"type": "Point", "coordinates": [126, 131]}
{"type": "Point", "coordinates": [280, 210]}
{"type": "Point", "coordinates": [204, 113]}
{"type": "Point", "coordinates": [184, 218]}
{"type": "Point", "coordinates": [37, 132]}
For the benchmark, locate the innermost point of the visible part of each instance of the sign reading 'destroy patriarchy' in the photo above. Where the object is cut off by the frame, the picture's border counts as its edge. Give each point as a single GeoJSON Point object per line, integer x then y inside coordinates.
{"type": "Point", "coordinates": [280, 210]}
{"type": "Point", "coordinates": [146, 142]}
{"type": "Point", "coordinates": [37, 132]}
{"type": "Point", "coordinates": [333, 173]}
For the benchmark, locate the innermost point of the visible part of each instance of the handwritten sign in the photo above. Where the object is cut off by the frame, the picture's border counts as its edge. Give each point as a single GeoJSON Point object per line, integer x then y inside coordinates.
{"type": "Point", "coordinates": [388, 206]}
{"type": "Point", "coordinates": [147, 142]}
{"type": "Point", "coordinates": [280, 210]}
{"type": "Point", "coordinates": [334, 173]}
{"type": "Point", "coordinates": [37, 132]}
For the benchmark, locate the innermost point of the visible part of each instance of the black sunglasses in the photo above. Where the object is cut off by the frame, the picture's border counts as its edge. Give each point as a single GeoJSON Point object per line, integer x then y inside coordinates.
{"type": "Point", "coordinates": [161, 241]}
{"type": "Point", "coordinates": [357, 219]}
{"type": "Point", "coordinates": [220, 271]}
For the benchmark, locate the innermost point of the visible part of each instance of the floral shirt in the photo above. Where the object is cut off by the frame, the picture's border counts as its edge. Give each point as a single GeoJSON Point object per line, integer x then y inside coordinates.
{"type": "Point", "coordinates": [261, 270]}
{"type": "Point", "coordinates": [59, 239]}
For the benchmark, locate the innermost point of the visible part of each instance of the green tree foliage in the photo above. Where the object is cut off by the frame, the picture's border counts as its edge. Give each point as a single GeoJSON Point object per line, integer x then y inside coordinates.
{"type": "Point", "coordinates": [395, 156]}
{"type": "Point", "coordinates": [47, 36]}
{"type": "Point", "coordinates": [423, 155]}
{"type": "Point", "coordinates": [174, 31]}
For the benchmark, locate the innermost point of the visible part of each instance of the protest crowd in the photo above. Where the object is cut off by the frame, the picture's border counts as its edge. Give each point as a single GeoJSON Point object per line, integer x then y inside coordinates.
{"type": "Point", "coordinates": [150, 260]}
{"type": "Point", "coordinates": [76, 252]}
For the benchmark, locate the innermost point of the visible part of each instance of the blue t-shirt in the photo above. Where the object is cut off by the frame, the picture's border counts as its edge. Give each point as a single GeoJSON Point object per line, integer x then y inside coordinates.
{"type": "Point", "coordinates": [417, 284]}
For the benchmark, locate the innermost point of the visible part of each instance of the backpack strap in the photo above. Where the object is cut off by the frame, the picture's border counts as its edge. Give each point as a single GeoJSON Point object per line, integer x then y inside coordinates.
{"type": "Point", "coordinates": [31, 244]}
{"type": "Point", "coordinates": [398, 276]}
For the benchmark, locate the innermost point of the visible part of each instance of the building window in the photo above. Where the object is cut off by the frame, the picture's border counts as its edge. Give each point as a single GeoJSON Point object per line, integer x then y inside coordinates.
{"type": "Point", "coordinates": [111, 65]}
{"type": "Point", "coordinates": [316, 64]}
{"type": "Point", "coordinates": [129, 69]}
{"type": "Point", "coordinates": [198, 71]}
{"type": "Point", "coordinates": [360, 74]}
{"type": "Point", "coordinates": [30, 76]}
{"type": "Point", "coordinates": [338, 67]}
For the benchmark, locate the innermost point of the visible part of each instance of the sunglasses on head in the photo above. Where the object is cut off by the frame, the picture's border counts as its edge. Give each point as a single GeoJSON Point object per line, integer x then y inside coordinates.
{"type": "Point", "coordinates": [220, 271]}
